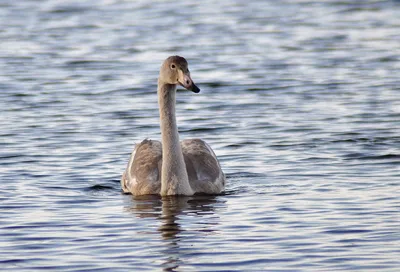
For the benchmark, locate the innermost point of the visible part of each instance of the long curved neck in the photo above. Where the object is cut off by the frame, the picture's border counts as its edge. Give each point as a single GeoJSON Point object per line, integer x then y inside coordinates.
{"type": "Point", "coordinates": [174, 178]}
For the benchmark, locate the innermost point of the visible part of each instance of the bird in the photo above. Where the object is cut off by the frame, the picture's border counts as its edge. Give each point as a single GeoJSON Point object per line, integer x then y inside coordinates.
{"type": "Point", "coordinates": [173, 167]}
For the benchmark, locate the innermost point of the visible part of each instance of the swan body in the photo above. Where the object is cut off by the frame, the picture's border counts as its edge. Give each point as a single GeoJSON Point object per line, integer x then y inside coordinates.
{"type": "Point", "coordinates": [171, 167]}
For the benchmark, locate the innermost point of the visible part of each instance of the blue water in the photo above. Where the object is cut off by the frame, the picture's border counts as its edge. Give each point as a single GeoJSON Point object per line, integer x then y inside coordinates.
{"type": "Point", "coordinates": [300, 101]}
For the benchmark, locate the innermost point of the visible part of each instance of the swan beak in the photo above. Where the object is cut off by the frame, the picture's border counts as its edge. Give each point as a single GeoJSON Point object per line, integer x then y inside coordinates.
{"type": "Point", "coordinates": [188, 83]}
{"type": "Point", "coordinates": [195, 89]}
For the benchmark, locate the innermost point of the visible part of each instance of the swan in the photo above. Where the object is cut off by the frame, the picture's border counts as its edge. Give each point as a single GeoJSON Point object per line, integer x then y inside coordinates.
{"type": "Point", "coordinates": [171, 167]}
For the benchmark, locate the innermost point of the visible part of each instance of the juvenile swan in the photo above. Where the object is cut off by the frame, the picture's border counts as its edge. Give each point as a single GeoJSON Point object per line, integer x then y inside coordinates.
{"type": "Point", "coordinates": [171, 167]}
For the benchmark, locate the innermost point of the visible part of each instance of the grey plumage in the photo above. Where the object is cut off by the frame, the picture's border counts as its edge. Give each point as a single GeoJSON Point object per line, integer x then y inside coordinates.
{"type": "Point", "coordinates": [171, 167]}
{"type": "Point", "coordinates": [143, 173]}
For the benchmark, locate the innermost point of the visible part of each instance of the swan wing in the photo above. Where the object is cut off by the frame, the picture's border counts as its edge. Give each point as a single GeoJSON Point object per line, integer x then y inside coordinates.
{"type": "Point", "coordinates": [143, 173]}
{"type": "Point", "coordinates": [204, 171]}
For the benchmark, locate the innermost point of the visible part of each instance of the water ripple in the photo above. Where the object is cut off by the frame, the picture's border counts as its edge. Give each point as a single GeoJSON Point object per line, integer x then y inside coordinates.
{"type": "Point", "coordinates": [300, 102]}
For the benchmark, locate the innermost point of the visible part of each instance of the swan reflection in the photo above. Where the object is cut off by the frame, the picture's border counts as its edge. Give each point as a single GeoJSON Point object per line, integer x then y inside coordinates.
{"type": "Point", "coordinates": [182, 220]}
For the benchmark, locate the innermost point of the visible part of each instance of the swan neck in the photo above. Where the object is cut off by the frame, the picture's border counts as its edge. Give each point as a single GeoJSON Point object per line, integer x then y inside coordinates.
{"type": "Point", "coordinates": [167, 101]}
{"type": "Point", "coordinates": [174, 178]}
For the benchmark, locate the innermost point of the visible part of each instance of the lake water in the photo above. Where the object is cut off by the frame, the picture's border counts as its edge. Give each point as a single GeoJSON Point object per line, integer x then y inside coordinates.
{"type": "Point", "coordinates": [300, 101]}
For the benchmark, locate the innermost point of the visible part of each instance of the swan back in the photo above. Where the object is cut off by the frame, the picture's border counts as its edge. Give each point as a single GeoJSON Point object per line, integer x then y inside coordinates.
{"type": "Point", "coordinates": [204, 171]}
{"type": "Point", "coordinates": [143, 172]}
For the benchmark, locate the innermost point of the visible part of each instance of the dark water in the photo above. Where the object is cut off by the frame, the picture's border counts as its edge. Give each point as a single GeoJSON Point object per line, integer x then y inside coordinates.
{"type": "Point", "coordinates": [300, 100]}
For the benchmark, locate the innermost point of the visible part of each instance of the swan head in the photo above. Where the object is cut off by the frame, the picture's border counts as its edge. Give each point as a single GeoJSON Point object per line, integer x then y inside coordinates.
{"type": "Point", "coordinates": [174, 70]}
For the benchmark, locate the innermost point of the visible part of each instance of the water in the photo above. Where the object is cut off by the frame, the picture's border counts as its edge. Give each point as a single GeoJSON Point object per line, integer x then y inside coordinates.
{"type": "Point", "coordinates": [300, 100]}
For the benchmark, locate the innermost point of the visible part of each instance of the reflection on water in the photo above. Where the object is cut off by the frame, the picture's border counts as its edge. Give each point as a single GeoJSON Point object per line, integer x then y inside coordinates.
{"type": "Point", "coordinates": [168, 211]}
{"type": "Point", "coordinates": [146, 206]}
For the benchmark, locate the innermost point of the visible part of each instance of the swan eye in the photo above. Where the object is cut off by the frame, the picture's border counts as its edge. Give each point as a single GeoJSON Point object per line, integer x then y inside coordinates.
{"type": "Point", "coordinates": [173, 66]}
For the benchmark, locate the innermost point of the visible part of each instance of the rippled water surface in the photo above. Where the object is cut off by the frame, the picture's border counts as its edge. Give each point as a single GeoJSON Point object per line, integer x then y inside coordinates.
{"type": "Point", "coordinates": [300, 101]}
